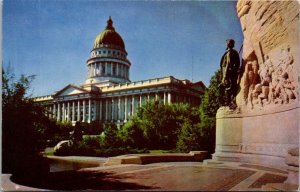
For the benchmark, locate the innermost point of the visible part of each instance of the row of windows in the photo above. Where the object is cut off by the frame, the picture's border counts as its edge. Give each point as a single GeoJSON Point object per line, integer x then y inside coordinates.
{"type": "Point", "coordinates": [109, 52]}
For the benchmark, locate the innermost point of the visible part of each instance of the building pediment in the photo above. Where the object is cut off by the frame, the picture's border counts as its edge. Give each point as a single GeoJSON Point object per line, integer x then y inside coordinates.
{"type": "Point", "coordinates": [70, 90]}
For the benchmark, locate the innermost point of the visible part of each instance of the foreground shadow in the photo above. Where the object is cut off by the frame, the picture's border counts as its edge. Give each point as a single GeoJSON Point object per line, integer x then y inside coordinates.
{"type": "Point", "coordinates": [77, 180]}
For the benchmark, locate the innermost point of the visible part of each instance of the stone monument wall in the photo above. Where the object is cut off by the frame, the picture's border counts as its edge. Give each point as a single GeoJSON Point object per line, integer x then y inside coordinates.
{"type": "Point", "coordinates": [270, 52]}
{"type": "Point", "coordinates": [266, 124]}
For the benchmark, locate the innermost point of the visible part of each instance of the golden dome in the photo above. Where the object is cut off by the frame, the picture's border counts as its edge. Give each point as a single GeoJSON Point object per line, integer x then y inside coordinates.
{"type": "Point", "coordinates": [109, 37]}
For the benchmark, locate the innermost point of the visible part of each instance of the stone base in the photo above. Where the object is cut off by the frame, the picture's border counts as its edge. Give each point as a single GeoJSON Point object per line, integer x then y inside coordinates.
{"type": "Point", "coordinates": [262, 137]}
{"type": "Point", "coordinates": [233, 157]}
{"type": "Point", "coordinates": [271, 161]}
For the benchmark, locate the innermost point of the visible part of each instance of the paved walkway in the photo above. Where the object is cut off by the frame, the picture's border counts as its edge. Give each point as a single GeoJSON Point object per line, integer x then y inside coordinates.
{"type": "Point", "coordinates": [211, 176]}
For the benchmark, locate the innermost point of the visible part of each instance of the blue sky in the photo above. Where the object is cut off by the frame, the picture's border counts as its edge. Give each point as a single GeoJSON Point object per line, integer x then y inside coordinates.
{"type": "Point", "coordinates": [53, 39]}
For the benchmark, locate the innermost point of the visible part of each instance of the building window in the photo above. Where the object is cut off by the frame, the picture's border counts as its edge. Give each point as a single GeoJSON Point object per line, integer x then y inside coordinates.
{"type": "Point", "coordinates": [104, 52]}
{"type": "Point", "coordinates": [108, 52]}
{"type": "Point", "coordinates": [114, 52]}
{"type": "Point", "coordinates": [99, 52]}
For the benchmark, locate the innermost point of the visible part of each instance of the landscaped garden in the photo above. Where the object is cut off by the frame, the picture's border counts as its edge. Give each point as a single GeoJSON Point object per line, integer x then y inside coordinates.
{"type": "Point", "coordinates": [156, 127]}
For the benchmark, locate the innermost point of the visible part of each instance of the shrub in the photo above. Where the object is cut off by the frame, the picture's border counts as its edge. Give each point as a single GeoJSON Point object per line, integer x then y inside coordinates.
{"type": "Point", "coordinates": [111, 136]}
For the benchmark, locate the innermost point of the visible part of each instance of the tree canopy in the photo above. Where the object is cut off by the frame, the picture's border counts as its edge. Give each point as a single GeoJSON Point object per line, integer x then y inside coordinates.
{"type": "Point", "coordinates": [23, 123]}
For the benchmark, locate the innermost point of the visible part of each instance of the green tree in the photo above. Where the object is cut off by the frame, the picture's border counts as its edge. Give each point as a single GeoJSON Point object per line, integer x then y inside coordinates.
{"type": "Point", "coordinates": [157, 124]}
{"type": "Point", "coordinates": [111, 136]}
{"type": "Point", "coordinates": [132, 135]}
{"type": "Point", "coordinates": [191, 135]}
{"type": "Point", "coordinates": [189, 138]}
{"type": "Point", "coordinates": [23, 126]}
{"type": "Point", "coordinates": [213, 97]}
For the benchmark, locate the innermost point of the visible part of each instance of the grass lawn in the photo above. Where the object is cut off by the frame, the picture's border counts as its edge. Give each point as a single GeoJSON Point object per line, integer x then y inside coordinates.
{"type": "Point", "coordinates": [49, 151]}
{"type": "Point", "coordinates": [160, 151]}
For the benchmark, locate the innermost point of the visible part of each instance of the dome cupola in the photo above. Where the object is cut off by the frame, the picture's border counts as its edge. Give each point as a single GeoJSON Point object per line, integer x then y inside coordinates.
{"type": "Point", "coordinates": [108, 61]}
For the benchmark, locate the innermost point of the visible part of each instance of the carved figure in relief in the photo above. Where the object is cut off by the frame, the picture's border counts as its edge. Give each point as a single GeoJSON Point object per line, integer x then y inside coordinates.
{"type": "Point", "coordinates": [266, 71]}
{"type": "Point", "coordinates": [286, 58]}
{"type": "Point", "coordinates": [289, 69]}
{"type": "Point", "coordinates": [286, 87]}
{"type": "Point", "coordinates": [267, 84]}
{"type": "Point", "coordinates": [254, 98]}
{"type": "Point", "coordinates": [289, 87]}
{"type": "Point", "coordinates": [254, 89]}
{"type": "Point", "coordinates": [246, 80]}
{"type": "Point", "coordinates": [255, 68]}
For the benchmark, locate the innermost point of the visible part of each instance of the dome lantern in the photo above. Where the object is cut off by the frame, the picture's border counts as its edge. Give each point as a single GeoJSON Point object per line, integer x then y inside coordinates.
{"type": "Point", "coordinates": [110, 24]}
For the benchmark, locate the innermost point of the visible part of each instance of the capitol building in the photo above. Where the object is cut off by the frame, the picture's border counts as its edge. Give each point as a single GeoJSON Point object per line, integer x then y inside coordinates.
{"type": "Point", "coordinates": [108, 95]}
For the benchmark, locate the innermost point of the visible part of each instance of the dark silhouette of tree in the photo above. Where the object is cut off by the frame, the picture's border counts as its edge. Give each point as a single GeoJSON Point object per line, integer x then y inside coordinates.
{"type": "Point", "coordinates": [23, 126]}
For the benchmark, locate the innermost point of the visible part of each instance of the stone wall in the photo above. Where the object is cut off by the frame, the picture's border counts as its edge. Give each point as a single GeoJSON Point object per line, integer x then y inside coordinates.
{"type": "Point", "coordinates": [270, 53]}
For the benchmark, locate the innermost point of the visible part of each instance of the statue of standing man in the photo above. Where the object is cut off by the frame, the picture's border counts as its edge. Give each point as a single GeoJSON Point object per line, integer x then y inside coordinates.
{"type": "Point", "coordinates": [230, 64]}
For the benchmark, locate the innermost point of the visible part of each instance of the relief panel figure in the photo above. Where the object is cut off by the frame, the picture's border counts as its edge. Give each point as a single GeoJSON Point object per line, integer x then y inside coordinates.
{"type": "Point", "coordinates": [266, 84]}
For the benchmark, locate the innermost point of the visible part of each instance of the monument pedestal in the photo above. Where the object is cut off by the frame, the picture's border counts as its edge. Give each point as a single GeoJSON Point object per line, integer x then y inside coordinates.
{"type": "Point", "coordinates": [263, 137]}
{"type": "Point", "coordinates": [228, 135]}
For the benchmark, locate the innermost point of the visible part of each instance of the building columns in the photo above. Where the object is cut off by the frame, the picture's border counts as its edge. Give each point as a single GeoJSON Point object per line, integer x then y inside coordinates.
{"type": "Point", "coordinates": [63, 112]}
{"type": "Point", "coordinates": [68, 111]}
{"type": "Point", "coordinates": [106, 69]}
{"type": "Point", "coordinates": [117, 69]}
{"type": "Point", "coordinates": [132, 105]}
{"type": "Point", "coordinates": [100, 109]}
{"type": "Point", "coordinates": [125, 107]}
{"type": "Point", "coordinates": [169, 98]}
{"type": "Point", "coordinates": [90, 111]}
{"type": "Point", "coordinates": [111, 69]}
{"type": "Point", "coordinates": [119, 109]}
{"type": "Point", "coordinates": [165, 98]}
{"type": "Point", "coordinates": [73, 111]}
{"type": "Point", "coordinates": [106, 109]}
{"type": "Point", "coordinates": [112, 109]}
{"type": "Point", "coordinates": [58, 112]}
{"type": "Point", "coordinates": [83, 109]}
{"type": "Point", "coordinates": [54, 111]}
{"type": "Point", "coordinates": [140, 100]}
{"type": "Point", "coordinates": [78, 111]}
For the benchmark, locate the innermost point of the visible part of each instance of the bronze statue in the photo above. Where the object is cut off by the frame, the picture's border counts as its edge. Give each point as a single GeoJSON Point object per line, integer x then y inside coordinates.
{"type": "Point", "coordinates": [230, 64]}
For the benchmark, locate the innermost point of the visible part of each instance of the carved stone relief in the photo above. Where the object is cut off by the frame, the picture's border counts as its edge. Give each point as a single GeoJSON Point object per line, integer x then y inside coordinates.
{"type": "Point", "coordinates": [266, 83]}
